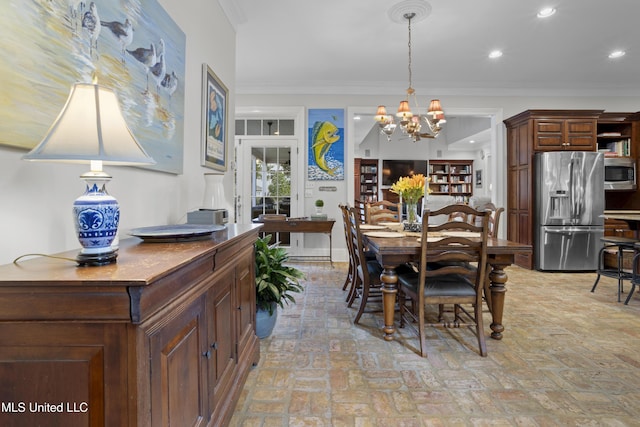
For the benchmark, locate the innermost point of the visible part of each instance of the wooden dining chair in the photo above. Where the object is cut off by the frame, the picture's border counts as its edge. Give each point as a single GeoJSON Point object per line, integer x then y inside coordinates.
{"type": "Point", "coordinates": [361, 209]}
{"type": "Point", "coordinates": [351, 273]}
{"type": "Point", "coordinates": [455, 275]}
{"type": "Point", "coordinates": [494, 217]}
{"type": "Point", "coordinates": [458, 215]}
{"type": "Point", "coordinates": [383, 211]}
{"type": "Point", "coordinates": [367, 284]}
{"type": "Point", "coordinates": [494, 223]}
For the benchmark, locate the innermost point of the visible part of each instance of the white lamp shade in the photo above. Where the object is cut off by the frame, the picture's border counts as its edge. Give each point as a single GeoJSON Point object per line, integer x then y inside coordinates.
{"type": "Point", "coordinates": [90, 127]}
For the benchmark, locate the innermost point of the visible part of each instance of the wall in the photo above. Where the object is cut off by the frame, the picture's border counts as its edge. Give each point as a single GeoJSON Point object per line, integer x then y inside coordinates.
{"type": "Point", "coordinates": [36, 197]}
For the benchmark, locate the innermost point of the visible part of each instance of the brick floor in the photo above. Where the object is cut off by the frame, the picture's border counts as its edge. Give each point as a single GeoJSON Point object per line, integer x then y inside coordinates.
{"type": "Point", "coordinates": [569, 357]}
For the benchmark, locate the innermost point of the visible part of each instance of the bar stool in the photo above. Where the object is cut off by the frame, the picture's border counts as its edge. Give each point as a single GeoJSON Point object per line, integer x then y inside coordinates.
{"type": "Point", "coordinates": [619, 244]}
{"type": "Point", "coordinates": [635, 279]}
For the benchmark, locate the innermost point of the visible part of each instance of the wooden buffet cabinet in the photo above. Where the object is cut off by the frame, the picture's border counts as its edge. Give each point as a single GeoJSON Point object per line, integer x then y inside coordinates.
{"type": "Point", "coordinates": [164, 337]}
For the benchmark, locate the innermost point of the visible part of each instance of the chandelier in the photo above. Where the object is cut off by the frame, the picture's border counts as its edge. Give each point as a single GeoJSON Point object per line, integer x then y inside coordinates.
{"type": "Point", "coordinates": [417, 126]}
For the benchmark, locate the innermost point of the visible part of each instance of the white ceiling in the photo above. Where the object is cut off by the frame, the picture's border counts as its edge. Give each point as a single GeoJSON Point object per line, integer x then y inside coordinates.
{"type": "Point", "coordinates": [353, 47]}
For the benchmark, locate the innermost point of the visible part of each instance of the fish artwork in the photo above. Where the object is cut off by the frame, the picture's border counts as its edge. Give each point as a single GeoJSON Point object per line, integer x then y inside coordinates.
{"type": "Point", "coordinates": [324, 134]}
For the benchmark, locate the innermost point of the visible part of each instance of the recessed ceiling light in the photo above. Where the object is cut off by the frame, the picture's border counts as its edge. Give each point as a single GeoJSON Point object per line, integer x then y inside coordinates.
{"type": "Point", "coordinates": [616, 54]}
{"type": "Point", "coordinates": [495, 54]}
{"type": "Point", "coordinates": [472, 141]}
{"type": "Point", "coordinates": [546, 12]}
{"type": "Point", "coordinates": [356, 117]}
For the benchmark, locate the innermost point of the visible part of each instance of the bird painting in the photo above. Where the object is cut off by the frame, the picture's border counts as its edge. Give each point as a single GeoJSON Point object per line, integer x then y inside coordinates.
{"type": "Point", "coordinates": [91, 24]}
{"type": "Point", "coordinates": [146, 57]}
{"type": "Point", "coordinates": [158, 71]}
{"type": "Point", "coordinates": [74, 7]}
{"type": "Point", "coordinates": [122, 32]}
{"type": "Point", "coordinates": [170, 83]}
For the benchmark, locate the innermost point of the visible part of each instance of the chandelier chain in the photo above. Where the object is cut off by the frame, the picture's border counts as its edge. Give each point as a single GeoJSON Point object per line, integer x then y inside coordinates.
{"type": "Point", "coordinates": [409, 45]}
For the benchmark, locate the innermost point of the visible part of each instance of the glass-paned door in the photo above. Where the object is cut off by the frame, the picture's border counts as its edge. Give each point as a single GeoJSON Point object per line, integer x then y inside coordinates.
{"type": "Point", "coordinates": [269, 181]}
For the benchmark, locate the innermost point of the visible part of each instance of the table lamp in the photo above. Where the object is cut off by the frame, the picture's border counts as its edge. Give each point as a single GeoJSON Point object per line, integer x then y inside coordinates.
{"type": "Point", "coordinates": [91, 129]}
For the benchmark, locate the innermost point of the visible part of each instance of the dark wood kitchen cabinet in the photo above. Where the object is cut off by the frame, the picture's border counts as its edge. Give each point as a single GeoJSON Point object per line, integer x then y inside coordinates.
{"type": "Point", "coordinates": [164, 337]}
{"type": "Point", "coordinates": [567, 134]}
{"type": "Point", "coordinates": [535, 131]}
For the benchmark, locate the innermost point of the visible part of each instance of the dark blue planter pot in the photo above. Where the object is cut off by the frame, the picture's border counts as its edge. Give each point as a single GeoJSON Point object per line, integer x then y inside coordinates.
{"type": "Point", "coordinates": [265, 322]}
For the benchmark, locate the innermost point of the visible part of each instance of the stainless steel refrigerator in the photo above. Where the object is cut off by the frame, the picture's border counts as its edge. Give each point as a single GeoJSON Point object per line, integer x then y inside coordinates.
{"type": "Point", "coordinates": [569, 208]}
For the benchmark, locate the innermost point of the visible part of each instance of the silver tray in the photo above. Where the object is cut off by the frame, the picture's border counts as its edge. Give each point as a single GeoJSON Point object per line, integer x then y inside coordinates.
{"type": "Point", "coordinates": [176, 233]}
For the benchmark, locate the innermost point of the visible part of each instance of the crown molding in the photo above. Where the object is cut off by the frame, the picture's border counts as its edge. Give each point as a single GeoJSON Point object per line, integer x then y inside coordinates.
{"type": "Point", "coordinates": [235, 13]}
{"type": "Point", "coordinates": [383, 88]}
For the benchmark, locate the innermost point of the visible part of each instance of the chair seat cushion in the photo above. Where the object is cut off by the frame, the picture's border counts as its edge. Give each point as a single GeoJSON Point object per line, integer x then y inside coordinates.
{"type": "Point", "coordinates": [446, 285]}
{"type": "Point", "coordinates": [374, 268]}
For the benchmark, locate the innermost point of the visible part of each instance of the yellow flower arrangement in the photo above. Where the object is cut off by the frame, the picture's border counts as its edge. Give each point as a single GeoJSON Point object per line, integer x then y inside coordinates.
{"type": "Point", "coordinates": [410, 188]}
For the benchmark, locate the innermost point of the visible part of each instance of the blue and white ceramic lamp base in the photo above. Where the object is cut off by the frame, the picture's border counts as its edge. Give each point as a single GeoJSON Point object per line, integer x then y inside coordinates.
{"type": "Point", "coordinates": [96, 216]}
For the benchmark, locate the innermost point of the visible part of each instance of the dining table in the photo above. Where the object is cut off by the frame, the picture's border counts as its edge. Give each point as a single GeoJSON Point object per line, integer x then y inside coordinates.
{"type": "Point", "coordinates": [392, 251]}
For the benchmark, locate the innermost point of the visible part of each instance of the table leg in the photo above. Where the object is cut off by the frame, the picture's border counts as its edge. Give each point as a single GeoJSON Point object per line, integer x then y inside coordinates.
{"type": "Point", "coordinates": [498, 278]}
{"type": "Point", "coordinates": [330, 251]}
{"type": "Point", "coordinates": [389, 280]}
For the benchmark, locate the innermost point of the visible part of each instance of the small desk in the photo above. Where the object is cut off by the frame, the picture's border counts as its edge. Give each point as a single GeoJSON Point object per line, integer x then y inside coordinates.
{"type": "Point", "coordinates": [392, 252]}
{"type": "Point", "coordinates": [298, 225]}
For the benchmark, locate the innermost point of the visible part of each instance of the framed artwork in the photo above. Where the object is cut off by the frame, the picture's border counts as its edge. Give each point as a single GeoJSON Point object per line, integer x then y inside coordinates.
{"type": "Point", "coordinates": [214, 120]}
{"type": "Point", "coordinates": [479, 178]}
{"type": "Point", "coordinates": [326, 145]}
{"type": "Point", "coordinates": [130, 46]}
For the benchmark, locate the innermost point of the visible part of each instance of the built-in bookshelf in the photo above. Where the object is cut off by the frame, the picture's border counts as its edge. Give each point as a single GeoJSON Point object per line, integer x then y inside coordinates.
{"type": "Point", "coordinates": [366, 180]}
{"type": "Point", "coordinates": [614, 135]}
{"type": "Point", "coordinates": [451, 178]}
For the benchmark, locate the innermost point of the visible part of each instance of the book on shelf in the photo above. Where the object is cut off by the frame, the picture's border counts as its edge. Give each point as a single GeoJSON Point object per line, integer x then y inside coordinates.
{"type": "Point", "coordinates": [621, 148]}
{"type": "Point", "coordinates": [609, 134]}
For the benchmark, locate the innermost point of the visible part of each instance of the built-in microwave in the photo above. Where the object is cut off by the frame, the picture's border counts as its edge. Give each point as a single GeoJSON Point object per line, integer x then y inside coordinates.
{"type": "Point", "coordinates": [619, 173]}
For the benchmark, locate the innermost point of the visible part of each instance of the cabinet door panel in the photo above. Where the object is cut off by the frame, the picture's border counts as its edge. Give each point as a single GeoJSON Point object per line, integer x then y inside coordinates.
{"type": "Point", "coordinates": [66, 363]}
{"type": "Point", "coordinates": [581, 134]}
{"type": "Point", "coordinates": [524, 197]}
{"type": "Point", "coordinates": [581, 126]}
{"type": "Point", "coordinates": [222, 341]}
{"type": "Point", "coordinates": [178, 387]}
{"type": "Point", "coordinates": [524, 147]}
{"type": "Point", "coordinates": [246, 292]}
{"type": "Point", "coordinates": [33, 375]}
{"type": "Point", "coordinates": [548, 134]}
{"type": "Point", "coordinates": [512, 226]}
{"type": "Point", "coordinates": [512, 194]}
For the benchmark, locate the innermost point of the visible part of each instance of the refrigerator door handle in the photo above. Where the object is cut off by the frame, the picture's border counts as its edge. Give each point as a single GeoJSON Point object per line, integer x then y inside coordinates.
{"type": "Point", "coordinates": [569, 231]}
{"type": "Point", "coordinates": [576, 188]}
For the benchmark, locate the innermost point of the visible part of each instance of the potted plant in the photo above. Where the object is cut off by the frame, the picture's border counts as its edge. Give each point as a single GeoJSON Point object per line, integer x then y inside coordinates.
{"type": "Point", "coordinates": [275, 283]}
{"type": "Point", "coordinates": [319, 205]}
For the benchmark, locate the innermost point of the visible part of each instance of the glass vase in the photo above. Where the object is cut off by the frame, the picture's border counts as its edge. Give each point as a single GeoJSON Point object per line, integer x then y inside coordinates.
{"type": "Point", "coordinates": [412, 212]}
{"type": "Point", "coordinates": [412, 223]}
